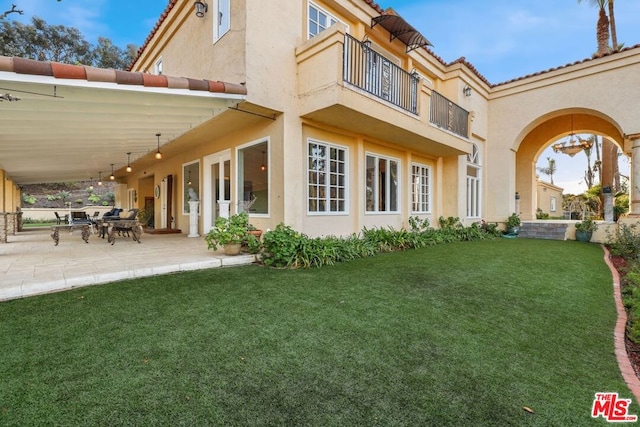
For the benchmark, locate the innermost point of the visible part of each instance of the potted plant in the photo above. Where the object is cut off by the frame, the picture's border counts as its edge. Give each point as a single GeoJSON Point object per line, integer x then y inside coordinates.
{"type": "Point", "coordinates": [229, 233]}
{"type": "Point", "coordinates": [585, 229]}
{"type": "Point", "coordinates": [145, 217]}
{"type": "Point", "coordinates": [513, 224]}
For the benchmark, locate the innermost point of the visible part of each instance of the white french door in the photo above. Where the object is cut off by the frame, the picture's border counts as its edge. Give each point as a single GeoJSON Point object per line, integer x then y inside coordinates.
{"type": "Point", "coordinates": [217, 188]}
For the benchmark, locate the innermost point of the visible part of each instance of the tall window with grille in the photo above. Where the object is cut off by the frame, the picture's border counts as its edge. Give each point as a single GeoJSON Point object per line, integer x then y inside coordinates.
{"type": "Point", "coordinates": [319, 20]}
{"type": "Point", "coordinates": [473, 183]}
{"type": "Point", "coordinates": [382, 186]}
{"type": "Point", "coordinates": [420, 189]}
{"type": "Point", "coordinates": [327, 178]}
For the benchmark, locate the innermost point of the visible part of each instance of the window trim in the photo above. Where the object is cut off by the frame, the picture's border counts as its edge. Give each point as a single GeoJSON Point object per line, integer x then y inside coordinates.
{"type": "Point", "coordinates": [429, 169]}
{"type": "Point", "coordinates": [329, 145]}
{"type": "Point", "coordinates": [185, 201]}
{"type": "Point", "coordinates": [474, 160]}
{"type": "Point", "coordinates": [266, 140]}
{"type": "Point", "coordinates": [315, 5]}
{"type": "Point", "coordinates": [379, 157]}
{"type": "Point", "coordinates": [219, 30]}
{"type": "Point", "coordinates": [158, 66]}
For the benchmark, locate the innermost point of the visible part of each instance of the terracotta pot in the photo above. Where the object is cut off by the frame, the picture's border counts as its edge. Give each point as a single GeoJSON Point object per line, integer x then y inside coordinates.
{"type": "Point", "coordinates": [256, 233]}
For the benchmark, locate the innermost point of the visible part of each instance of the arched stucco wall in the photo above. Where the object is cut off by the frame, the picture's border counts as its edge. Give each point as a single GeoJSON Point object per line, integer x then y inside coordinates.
{"type": "Point", "coordinates": [535, 141]}
{"type": "Point", "coordinates": [605, 89]}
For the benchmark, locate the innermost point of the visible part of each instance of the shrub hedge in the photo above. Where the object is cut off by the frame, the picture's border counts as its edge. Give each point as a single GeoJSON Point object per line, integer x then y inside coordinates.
{"type": "Point", "coordinates": [626, 244]}
{"type": "Point", "coordinates": [284, 247]}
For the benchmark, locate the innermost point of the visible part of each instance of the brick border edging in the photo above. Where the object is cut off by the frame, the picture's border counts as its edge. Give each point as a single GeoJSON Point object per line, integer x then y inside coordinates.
{"type": "Point", "coordinates": [628, 373]}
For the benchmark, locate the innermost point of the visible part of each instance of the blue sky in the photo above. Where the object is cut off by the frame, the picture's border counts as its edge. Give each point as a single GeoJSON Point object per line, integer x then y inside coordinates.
{"type": "Point", "coordinates": [503, 39]}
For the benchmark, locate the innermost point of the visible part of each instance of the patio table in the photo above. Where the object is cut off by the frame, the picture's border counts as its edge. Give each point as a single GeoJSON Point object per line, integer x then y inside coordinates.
{"type": "Point", "coordinates": [84, 229]}
{"type": "Point", "coordinates": [132, 225]}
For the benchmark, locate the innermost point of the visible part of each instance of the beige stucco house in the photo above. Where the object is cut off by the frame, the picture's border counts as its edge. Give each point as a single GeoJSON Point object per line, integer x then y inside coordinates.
{"type": "Point", "coordinates": [549, 199]}
{"type": "Point", "coordinates": [334, 117]}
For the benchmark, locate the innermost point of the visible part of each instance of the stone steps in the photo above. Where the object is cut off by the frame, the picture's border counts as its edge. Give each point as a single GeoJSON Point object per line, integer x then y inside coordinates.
{"type": "Point", "coordinates": [543, 230]}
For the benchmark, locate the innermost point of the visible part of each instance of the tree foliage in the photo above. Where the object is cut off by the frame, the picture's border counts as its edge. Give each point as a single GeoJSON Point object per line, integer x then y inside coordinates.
{"type": "Point", "coordinates": [550, 169]}
{"type": "Point", "coordinates": [43, 42]}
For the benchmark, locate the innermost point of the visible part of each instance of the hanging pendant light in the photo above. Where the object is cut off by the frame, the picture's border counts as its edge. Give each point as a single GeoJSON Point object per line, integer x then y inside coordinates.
{"type": "Point", "coordinates": [573, 145]}
{"type": "Point", "coordinates": [263, 166]}
{"type": "Point", "coordinates": [158, 153]}
{"type": "Point", "coordinates": [129, 162]}
{"type": "Point", "coordinates": [189, 179]}
{"type": "Point", "coordinates": [90, 184]}
{"type": "Point", "coordinates": [112, 176]}
{"type": "Point", "coordinates": [99, 178]}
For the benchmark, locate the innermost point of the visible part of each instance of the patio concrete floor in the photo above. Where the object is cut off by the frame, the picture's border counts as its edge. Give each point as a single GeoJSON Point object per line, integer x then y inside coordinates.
{"type": "Point", "coordinates": [30, 263]}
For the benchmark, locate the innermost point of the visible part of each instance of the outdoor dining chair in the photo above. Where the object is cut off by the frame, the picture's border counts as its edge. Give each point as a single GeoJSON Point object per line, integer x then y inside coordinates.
{"type": "Point", "coordinates": [59, 220]}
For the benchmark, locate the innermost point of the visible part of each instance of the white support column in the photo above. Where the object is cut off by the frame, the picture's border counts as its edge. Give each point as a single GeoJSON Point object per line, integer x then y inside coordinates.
{"type": "Point", "coordinates": [194, 209]}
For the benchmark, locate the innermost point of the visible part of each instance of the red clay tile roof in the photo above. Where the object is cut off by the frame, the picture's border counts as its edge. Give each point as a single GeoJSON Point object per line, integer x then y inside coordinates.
{"type": "Point", "coordinates": [582, 61]}
{"type": "Point", "coordinates": [93, 74]}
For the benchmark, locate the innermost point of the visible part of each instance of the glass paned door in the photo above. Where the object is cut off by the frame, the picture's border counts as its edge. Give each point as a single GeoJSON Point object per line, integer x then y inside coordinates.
{"type": "Point", "coordinates": [217, 191]}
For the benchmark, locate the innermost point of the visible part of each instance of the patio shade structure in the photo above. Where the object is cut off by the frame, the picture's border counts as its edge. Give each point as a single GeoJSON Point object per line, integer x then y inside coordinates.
{"type": "Point", "coordinates": [65, 122]}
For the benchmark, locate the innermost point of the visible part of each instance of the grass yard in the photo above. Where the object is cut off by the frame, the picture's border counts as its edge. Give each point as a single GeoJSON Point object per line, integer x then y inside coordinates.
{"type": "Point", "coordinates": [463, 334]}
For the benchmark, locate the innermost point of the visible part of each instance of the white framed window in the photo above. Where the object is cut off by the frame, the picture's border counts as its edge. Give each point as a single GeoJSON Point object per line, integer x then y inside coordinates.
{"type": "Point", "coordinates": [553, 204]}
{"type": "Point", "coordinates": [473, 183]}
{"type": "Point", "coordinates": [382, 187]}
{"type": "Point", "coordinates": [327, 175]}
{"type": "Point", "coordinates": [132, 198]}
{"type": "Point", "coordinates": [253, 177]}
{"type": "Point", "coordinates": [222, 18]}
{"type": "Point", "coordinates": [157, 67]}
{"type": "Point", "coordinates": [190, 184]}
{"type": "Point", "coordinates": [319, 20]}
{"type": "Point", "coordinates": [420, 188]}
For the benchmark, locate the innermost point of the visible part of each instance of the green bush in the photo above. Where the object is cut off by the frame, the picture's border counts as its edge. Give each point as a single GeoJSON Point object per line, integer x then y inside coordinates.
{"type": "Point", "coordinates": [284, 247]}
{"type": "Point", "coordinates": [29, 199]}
{"type": "Point", "coordinates": [625, 242]}
{"type": "Point", "coordinates": [541, 215]}
{"type": "Point", "coordinates": [631, 300]}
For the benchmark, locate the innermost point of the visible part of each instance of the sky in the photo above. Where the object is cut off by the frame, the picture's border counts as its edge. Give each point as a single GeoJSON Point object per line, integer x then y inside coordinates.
{"type": "Point", "coordinates": [503, 39]}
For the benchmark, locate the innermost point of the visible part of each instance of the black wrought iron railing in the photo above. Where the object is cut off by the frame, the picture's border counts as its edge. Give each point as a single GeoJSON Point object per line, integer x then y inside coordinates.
{"type": "Point", "coordinates": [448, 115]}
{"type": "Point", "coordinates": [368, 70]}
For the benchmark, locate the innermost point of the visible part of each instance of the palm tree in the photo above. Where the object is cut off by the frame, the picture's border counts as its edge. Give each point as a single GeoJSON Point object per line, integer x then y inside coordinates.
{"type": "Point", "coordinates": [602, 35]}
{"type": "Point", "coordinates": [602, 26]}
{"type": "Point", "coordinates": [612, 25]}
{"type": "Point", "coordinates": [590, 173]}
{"type": "Point", "coordinates": [550, 169]}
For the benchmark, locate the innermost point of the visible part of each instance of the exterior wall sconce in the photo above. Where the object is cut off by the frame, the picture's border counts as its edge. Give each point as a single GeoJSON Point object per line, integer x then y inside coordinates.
{"type": "Point", "coordinates": [201, 8]}
{"type": "Point", "coordinates": [518, 195]}
{"type": "Point", "coordinates": [466, 90]}
{"type": "Point", "coordinates": [158, 153]}
{"type": "Point", "coordinates": [128, 162]}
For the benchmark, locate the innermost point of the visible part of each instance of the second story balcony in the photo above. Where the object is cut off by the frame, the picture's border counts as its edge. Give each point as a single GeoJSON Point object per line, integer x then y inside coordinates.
{"type": "Point", "coordinates": [345, 83]}
{"type": "Point", "coordinates": [366, 69]}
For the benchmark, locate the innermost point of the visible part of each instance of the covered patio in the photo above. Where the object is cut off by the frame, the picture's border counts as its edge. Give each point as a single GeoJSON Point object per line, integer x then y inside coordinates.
{"type": "Point", "coordinates": [30, 264]}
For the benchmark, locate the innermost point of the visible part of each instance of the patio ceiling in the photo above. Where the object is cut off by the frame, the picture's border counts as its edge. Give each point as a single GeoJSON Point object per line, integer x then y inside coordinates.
{"type": "Point", "coordinates": [72, 129]}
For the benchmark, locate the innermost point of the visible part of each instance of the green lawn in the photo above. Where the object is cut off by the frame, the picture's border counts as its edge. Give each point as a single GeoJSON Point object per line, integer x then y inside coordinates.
{"type": "Point", "coordinates": [463, 334]}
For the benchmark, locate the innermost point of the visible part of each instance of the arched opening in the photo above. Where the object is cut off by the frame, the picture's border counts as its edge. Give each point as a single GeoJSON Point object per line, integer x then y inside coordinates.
{"type": "Point", "coordinates": [544, 132]}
